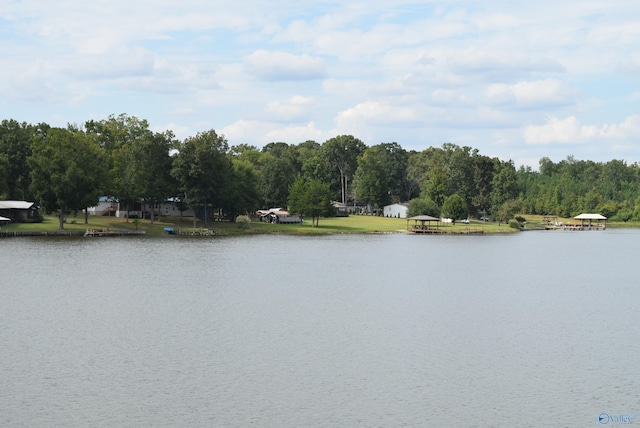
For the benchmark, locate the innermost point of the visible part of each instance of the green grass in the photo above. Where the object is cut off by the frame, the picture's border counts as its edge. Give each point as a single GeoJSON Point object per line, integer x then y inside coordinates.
{"type": "Point", "coordinates": [331, 225]}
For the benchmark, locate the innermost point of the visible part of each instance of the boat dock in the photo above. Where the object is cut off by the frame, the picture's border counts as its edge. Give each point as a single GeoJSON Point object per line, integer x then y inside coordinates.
{"type": "Point", "coordinates": [192, 232]}
{"type": "Point", "coordinates": [107, 232]}
{"type": "Point", "coordinates": [575, 227]}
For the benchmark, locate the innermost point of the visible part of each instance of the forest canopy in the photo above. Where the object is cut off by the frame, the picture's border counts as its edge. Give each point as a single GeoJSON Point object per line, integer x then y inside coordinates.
{"type": "Point", "coordinates": [67, 169]}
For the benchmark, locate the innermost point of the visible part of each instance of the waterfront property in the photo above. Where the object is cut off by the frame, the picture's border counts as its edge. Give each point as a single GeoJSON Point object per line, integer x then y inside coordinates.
{"type": "Point", "coordinates": [587, 222]}
{"type": "Point", "coordinates": [422, 224]}
{"type": "Point", "coordinates": [18, 211]}
{"type": "Point", "coordinates": [111, 207]}
{"type": "Point", "coordinates": [396, 210]}
{"type": "Point", "coordinates": [278, 215]}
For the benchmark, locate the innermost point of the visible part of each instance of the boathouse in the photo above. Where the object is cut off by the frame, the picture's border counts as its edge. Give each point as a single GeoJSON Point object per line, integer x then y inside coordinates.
{"type": "Point", "coordinates": [422, 224]}
{"type": "Point", "coordinates": [587, 222]}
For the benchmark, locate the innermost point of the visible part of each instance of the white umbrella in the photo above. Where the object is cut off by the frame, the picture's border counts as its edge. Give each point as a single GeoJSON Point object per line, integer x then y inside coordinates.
{"type": "Point", "coordinates": [4, 218]}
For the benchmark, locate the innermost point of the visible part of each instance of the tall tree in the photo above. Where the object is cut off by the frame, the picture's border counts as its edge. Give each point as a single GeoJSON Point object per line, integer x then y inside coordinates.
{"type": "Point", "coordinates": [372, 177]}
{"type": "Point", "coordinates": [503, 185]}
{"type": "Point", "coordinates": [15, 143]}
{"type": "Point", "coordinates": [342, 155]}
{"type": "Point", "coordinates": [122, 137]}
{"type": "Point", "coordinates": [202, 169]}
{"type": "Point", "coordinates": [455, 207]}
{"type": "Point", "coordinates": [155, 162]}
{"type": "Point", "coordinates": [312, 198]}
{"type": "Point", "coordinates": [278, 168]}
{"type": "Point", "coordinates": [67, 171]}
{"type": "Point", "coordinates": [4, 175]}
{"type": "Point", "coordinates": [243, 196]}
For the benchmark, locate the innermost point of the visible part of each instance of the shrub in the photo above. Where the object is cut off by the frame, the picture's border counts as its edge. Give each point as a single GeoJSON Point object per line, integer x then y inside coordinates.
{"type": "Point", "coordinates": [243, 221]}
{"type": "Point", "coordinates": [514, 224]}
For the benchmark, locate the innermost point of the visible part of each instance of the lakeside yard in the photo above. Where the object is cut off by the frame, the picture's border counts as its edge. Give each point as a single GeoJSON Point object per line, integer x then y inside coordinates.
{"type": "Point", "coordinates": [329, 225]}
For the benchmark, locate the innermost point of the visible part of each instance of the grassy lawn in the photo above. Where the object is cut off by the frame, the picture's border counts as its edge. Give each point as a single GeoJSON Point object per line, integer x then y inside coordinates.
{"type": "Point", "coordinates": [331, 225]}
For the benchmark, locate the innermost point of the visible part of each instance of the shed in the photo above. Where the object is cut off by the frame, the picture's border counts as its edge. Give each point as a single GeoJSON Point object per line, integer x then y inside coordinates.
{"type": "Point", "coordinates": [395, 210]}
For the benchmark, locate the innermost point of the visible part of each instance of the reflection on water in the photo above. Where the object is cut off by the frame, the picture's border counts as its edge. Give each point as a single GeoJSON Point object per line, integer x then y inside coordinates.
{"type": "Point", "coordinates": [530, 329]}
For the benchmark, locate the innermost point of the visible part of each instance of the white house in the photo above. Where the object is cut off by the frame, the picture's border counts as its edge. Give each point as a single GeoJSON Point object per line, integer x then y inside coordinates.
{"type": "Point", "coordinates": [108, 207]}
{"type": "Point", "coordinates": [396, 210]}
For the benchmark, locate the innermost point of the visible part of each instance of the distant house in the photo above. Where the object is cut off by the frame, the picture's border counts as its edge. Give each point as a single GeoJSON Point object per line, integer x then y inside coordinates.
{"type": "Point", "coordinates": [278, 215]}
{"type": "Point", "coordinates": [167, 208]}
{"type": "Point", "coordinates": [106, 207]}
{"type": "Point", "coordinates": [18, 211]}
{"type": "Point", "coordinates": [396, 210]}
{"type": "Point", "coordinates": [110, 207]}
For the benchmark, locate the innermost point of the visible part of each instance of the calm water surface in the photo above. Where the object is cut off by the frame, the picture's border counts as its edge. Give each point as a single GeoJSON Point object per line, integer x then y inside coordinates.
{"type": "Point", "coordinates": [532, 329]}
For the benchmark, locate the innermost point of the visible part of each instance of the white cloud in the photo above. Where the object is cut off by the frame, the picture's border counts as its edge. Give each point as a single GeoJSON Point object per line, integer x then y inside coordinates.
{"type": "Point", "coordinates": [274, 66]}
{"type": "Point", "coordinates": [412, 71]}
{"type": "Point", "coordinates": [571, 131]}
{"type": "Point", "coordinates": [374, 113]}
{"type": "Point", "coordinates": [292, 109]}
{"type": "Point", "coordinates": [539, 93]}
{"type": "Point", "coordinates": [259, 132]}
{"type": "Point", "coordinates": [483, 64]}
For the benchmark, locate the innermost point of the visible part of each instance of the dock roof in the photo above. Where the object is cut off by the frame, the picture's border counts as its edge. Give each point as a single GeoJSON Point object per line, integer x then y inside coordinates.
{"type": "Point", "coordinates": [423, 218]}
{"type": "Point", "coordinates": [586, 216]}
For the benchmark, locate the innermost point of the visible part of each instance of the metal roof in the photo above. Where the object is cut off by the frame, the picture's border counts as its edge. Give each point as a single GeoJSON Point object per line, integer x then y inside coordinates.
{"type": "Point", "coordinates": [424, 218]}
{"type": "Point", "coordinates": [16, 205]}
{"type": "Point", "coordinates": [590, 217]}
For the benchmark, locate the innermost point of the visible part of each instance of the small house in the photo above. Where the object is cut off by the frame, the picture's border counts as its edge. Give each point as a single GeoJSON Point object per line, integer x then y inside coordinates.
{"type": "Point", "coordinates": [396, 210]}
{"type": "Point", "coordinates": [278, 215]}
{"type": "Point", "coordinates": [18, 211]}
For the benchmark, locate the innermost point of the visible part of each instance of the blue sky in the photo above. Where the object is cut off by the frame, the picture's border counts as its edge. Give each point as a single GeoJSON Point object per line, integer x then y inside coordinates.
{"type": "Point", "coordinates": [517, 80]}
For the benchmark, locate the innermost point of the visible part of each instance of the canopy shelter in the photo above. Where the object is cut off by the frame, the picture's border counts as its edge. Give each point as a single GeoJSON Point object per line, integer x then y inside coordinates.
{"type": "Point", "coordinates": [591, 221]}
{"type": "Point", "coordinates": [590, 217]}
{"type": "Point", "coordinates": [422, 223]}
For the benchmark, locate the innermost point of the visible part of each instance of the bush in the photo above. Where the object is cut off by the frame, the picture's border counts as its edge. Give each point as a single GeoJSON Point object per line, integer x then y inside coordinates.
{"type": "Point", "coordinates": [514, 224]}
{"type": "Point", "coordinates": [243, 221]}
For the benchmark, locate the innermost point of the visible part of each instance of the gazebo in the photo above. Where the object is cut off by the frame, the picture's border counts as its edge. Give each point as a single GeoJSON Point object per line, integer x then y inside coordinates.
{"type": "Point", "coordinates": [425, 224]}
{"type": "Point", "coordinates": [587, 222]}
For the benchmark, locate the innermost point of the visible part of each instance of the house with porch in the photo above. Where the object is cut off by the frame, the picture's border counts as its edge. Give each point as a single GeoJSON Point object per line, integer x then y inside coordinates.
{"type": "Point", "coordinates": [18, 211]}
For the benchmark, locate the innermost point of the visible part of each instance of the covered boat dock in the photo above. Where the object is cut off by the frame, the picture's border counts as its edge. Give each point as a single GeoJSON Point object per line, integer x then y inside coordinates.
{"type": "Point", "coordinates": [422, 224]}
{"type": "Point", "coordinates": [587, 222]}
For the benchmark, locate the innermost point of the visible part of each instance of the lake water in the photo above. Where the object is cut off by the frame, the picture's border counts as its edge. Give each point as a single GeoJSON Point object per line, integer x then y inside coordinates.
{"type": "Point", "coordinates": [530, 329]}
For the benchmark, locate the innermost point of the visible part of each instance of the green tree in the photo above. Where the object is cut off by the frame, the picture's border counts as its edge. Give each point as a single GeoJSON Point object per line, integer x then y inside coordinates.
{"type": "Point", "coordinates": [243, 196]}
{"type": "Point", "coordinates": [342, 153]}
{"type": "Point", "coordinates": [15, 143]}
{"type": "Point", "coordinates": [126, 176]}
{"type": "Point", "coordinates": [423, 206]}
{"type": "Point", "coordinates": [202, 170]}
{"type": "Point", "coordinates": [155, 162]}
{"type": "Point", "coordinates": [508, 210]}
{"type": "Point", "coordinates": [455, 207]}
{"type": "Point", "coordinates": [124, 139]}
{"type": "Point", "coordinates": [312, 198]}
{"type": "Point", "coordinates": [4, 175]}
{"type": "Point", "coordinates": [67, 171]}
{"type": "Point", "coordinates": [503, 185]}
{"type": "Point", "coordinates": [275, 177]}
{"type": "Point", "coordinates": [371, 179]}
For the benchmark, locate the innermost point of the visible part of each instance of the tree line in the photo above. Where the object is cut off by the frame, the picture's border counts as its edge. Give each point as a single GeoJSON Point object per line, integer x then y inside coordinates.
{"type": "Point", "coordinates": [67, 169]}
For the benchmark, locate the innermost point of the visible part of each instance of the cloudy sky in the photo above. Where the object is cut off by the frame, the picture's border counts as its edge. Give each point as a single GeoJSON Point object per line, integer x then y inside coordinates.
{"type": "Point", "coordinates": [514, 79]}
